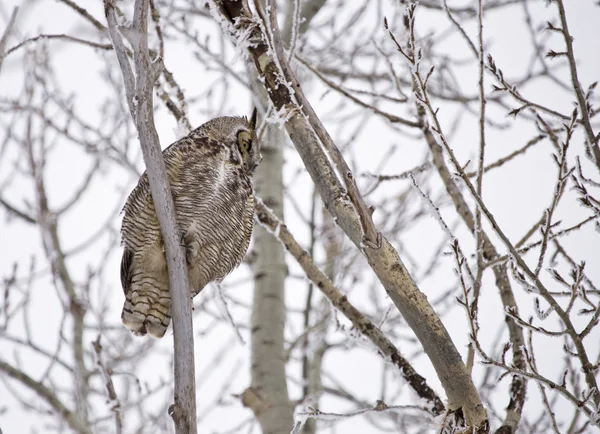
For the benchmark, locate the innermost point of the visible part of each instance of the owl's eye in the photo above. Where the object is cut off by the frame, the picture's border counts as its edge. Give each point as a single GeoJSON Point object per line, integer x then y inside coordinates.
{"type": "Point", "coordinates": [244, 141]}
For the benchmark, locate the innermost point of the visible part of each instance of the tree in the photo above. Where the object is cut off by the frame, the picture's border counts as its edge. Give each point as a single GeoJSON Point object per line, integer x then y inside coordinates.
{"type": "Point", "coordinates": [448, 161]}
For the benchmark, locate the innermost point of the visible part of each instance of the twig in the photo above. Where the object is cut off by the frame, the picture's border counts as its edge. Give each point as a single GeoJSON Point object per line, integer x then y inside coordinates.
{"type": "Point", "coordinates": [479, 237]}
{"type": "Point", "coordinates": [563, 174]}
{"type": "Point", "coordinates": [6, 34]}
{"type": "Point", "coordinates": [503, 160]}
{"type": "Point", "coordinates": [85, 14]}
{"type": "Point", "coordinates": [61, 36]}
{"type": "Point", "coordinates": [392, 118]}
{"type": "Point", "coordinates": [581, 100]}
{"type": "Point", "coordinates": [13, 210]}
{"type": "Point", "coordinates": [113, 400]}
{"type": "Point", "coordinates": [501, 259]}
{"type": "Point", "coordinates": [379, 407]}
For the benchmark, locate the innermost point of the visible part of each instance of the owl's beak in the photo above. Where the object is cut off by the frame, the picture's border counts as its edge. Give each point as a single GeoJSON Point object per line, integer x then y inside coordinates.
{"type": "Point", "coordinates": [252, 166]}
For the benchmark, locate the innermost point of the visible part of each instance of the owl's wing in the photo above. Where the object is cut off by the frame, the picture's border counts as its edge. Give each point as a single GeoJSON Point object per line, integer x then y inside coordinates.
{"type": "Point", "coordinates": [139, 212]}
{"type": "Point", "coordinates": [126, 273]}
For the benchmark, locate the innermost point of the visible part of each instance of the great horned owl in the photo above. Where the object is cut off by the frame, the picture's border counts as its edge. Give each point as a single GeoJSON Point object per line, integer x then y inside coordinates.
{"type": "Point", "coordinates": [210, 173]}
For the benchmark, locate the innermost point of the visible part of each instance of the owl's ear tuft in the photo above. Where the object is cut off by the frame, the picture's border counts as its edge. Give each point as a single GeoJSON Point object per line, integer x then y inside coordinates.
{"type": "Point", "coordinates": [252, 122]}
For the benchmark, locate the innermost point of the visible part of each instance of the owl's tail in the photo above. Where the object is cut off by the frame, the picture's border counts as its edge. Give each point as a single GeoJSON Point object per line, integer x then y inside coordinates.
{"type": "Point", "coordinates": [147, 307]}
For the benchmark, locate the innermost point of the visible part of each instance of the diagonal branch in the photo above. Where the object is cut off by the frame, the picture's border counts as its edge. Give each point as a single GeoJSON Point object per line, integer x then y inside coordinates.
{"type": "Point", "coordinates": [48, 395]}
{"type": "Point", "coordinates": [362, 323]}
{"type": "Point", "coordinates": [13, 210]}
{"type": "Point", "coordinates": [6, 34]}
{"type": "Point", "coordinates": [311, 141]}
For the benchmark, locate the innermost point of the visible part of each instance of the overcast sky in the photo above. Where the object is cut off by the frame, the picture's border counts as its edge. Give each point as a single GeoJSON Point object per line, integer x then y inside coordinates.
{"type": "Point", "coordinates": [516, 196]}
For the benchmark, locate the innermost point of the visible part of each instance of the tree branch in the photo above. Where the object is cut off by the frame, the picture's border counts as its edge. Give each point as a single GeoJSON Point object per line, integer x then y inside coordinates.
{"type": "Point", "coordinates": [6, 34]}
{"type": "Point", "coordinates": [267, 218]}
{"type": "Point", "coordinates": [268, 365]}
{"type": "Point", "coordinates": [581, 100]}
{"type": "Point", "coordinates": [311, 140]}
{"type": "Point", "coordinates": [139, 99]}
{"type": "Point", "coordinates": [48, 395]}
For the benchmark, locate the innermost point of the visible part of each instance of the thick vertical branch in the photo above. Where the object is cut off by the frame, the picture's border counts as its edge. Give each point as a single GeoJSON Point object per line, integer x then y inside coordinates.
{"type": "Point", "coordinates": [269, 382]}
{"type": "Point", "coordinates": [140, 103]}
{"type": "Point", "coordinates": [348, 209]}
{"type": "Point", "coordinates": [268, 307]}
{"type": "Point", "coordinates": [268, 310]}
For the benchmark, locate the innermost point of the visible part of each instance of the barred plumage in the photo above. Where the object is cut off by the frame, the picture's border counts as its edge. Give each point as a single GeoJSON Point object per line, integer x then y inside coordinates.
{"type": "Point", "coordinates": [210, 173]}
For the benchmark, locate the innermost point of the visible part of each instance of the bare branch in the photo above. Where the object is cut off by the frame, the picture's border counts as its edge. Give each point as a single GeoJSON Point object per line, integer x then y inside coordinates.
{"type": "Point", "coordinates": [6, 34]}
{"type": "Point", "coordinates": [581, 99]}
{"type": "Point", "coordinates": [140, 104]}
{"type": "Point", "coordinates": [47, 395]}
{"type": "Point", "coordinates": [113, 400]}
{"type": "Point", "coordinates": [268, 219]}
{"type": "Point", "coordinates": [61, 37]}
{"type": "Point", "coordinates": [352, 214]}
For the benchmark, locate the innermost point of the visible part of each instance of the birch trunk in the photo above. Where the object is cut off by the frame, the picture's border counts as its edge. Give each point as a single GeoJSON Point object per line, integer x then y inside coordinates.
{"type": "Point", "coordinates": [270, 403]}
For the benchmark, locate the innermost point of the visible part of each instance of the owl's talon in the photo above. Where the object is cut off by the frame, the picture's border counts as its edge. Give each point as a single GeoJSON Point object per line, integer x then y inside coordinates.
{"type": "Point", "coordinates": [187, 246]}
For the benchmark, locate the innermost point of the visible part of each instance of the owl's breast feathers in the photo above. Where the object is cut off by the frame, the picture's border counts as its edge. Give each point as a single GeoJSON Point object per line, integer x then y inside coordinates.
{"type": "Point", "coordinates": [214, 207]}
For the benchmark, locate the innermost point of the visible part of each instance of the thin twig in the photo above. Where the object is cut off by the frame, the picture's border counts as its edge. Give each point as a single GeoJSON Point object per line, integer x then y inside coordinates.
{"type": "Point", "coordinates": [113, 400]}
{"type": "Point", "coordinates": [62, 37]}
{"type": "Point", "coordinates": [6, 34]}
{"type": "Point", "coordinates": [581, 100]}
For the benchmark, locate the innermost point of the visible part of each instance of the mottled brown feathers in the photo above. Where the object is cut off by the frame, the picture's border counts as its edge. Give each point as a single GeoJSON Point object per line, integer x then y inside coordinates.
{"type": "Point", "coordinates": [211, 181]}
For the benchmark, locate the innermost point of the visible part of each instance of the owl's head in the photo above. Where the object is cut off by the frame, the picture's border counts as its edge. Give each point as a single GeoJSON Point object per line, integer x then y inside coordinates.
{"type": "Point", "coordinates": [239, 134]}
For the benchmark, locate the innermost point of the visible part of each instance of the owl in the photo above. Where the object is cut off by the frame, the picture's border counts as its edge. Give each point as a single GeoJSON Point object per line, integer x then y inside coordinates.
{"type": "Point", "coordinates": [210, 172]}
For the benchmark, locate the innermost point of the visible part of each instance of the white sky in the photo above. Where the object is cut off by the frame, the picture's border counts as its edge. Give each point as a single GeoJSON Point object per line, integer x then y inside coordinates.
{"type": "Point", "coordinates": [516, 196]}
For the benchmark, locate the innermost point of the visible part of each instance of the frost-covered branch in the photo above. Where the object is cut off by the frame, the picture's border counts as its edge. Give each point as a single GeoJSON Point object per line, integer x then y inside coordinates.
{"type": "Point", "coordinates": [113, 400]}
{"type": "Point", "coordinates": [519, 385]}
{"type": "Point", "coordinates": [345, 203]}
{"type": "Point", "coordinates": [582, 100]}
{"type": "Point", "coordinates": [582, 353]}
